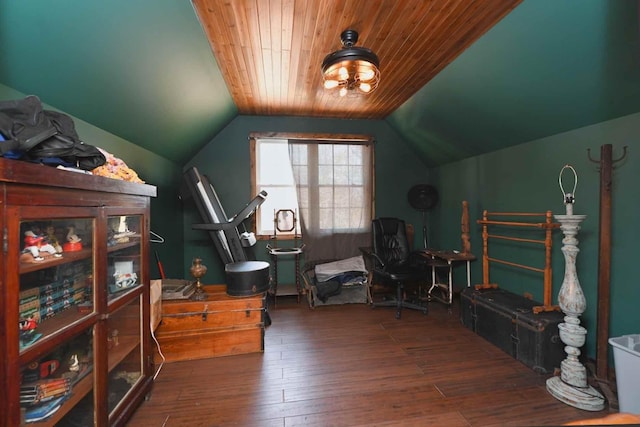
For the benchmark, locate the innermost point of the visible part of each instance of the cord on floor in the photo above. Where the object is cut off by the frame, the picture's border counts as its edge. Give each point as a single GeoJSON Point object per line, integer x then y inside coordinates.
{"type": "Point", "coordinates": [153, 335]}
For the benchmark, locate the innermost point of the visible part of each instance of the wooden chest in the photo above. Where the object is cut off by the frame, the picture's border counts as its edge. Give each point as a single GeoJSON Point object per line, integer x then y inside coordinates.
{"type": "Point", "coordinates": [220, 326]}
{"type": "Point", "coordinates": [507, 320]}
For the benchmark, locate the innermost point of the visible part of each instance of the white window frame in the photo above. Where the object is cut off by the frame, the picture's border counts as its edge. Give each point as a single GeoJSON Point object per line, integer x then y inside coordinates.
{"type": "Point", "coordinates": [265, 231]}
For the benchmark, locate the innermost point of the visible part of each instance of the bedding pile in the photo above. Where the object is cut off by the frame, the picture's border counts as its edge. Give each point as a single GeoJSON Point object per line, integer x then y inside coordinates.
{"type": "Point", "coordinates": [346, 271]}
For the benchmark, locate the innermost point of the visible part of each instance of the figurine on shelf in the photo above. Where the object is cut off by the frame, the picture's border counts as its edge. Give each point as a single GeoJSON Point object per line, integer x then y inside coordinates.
{"type": "Point", "coordinates": [123, 281]}
{"type": "Point", "coordinates": [28, 334]}
{"type": "Point", "coordinates": [122, 232]}
{"type": "Point", "coordinates": [73, 241]}
{"type": "Point", "coordinates": [74, 363]}
{"type": "Point", "coordinates": [52, 239]}
{"type": "Point", "coordinates": [28, 325]}
{"type": "Point", "coordinates": [37, 246]}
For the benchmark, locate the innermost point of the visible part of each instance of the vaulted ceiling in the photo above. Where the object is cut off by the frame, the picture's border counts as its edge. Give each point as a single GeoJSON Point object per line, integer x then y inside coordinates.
{"type": "Point", "coordinates": [459, 77]}
{"type": "Point", "coordinates": [270, 51]}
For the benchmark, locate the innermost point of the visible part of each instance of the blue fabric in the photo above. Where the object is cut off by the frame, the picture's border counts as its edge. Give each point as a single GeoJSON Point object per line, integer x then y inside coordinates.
{"type": "Point", "coordinates": [13, 154]}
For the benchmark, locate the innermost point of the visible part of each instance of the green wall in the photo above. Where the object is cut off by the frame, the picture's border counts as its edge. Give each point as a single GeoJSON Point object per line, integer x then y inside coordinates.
{"type": "Point", "coordinates": [545, 68]}
{"type": "Point", "coordinates": [155, 170]}
{"type": "Point", "coordinates": [142, 69]}
{"type": "Point", "coordinates": [226, 161]}
{"type": "Point", "coordinates": [524, 178]}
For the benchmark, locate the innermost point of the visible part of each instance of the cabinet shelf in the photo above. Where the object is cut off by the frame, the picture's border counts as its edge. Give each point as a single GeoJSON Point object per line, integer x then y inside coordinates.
{"type": "Point", "coordinates": [124, 291]}
{"type": "Point", "coordinates": [121, 246]}
{"type": "Point", "coordinates": [51, 328]}
{"type": "Point", "coordinates": [79, 391]}
{"type": "Point", "coordinates": [117, 354]}
{"type": "Point", "coordinates": [52, 261]}
{"type": "Point", "coordinates": [67, 257]}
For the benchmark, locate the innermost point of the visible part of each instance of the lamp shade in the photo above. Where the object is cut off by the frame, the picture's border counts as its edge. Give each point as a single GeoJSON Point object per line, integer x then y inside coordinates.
{"type": "Point", "coordinates": [351, 69]}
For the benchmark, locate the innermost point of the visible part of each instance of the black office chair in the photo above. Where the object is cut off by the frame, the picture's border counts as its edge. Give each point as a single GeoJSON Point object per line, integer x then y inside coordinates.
{"type": "Point", "coordinates": [396, 263]}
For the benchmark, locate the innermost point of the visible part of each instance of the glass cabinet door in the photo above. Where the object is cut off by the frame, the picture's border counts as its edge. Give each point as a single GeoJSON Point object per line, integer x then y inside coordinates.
{"type": "Point", "coordinates": [125, 357]}
{"type": "Point", "coordinates": [52, 386]}
{"type": "Point", "coordinates": [55, 300]}
{"type": "Point", "coordinates": [125, 293]}
{"type": "Point", "coordinates": [124, 252]}
{"type": "Point", "coordinates": [56, 278]}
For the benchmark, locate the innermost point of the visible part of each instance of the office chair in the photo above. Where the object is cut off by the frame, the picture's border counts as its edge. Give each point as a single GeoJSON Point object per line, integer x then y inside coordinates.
{"type": "Point", "coordinates": [395, 262]}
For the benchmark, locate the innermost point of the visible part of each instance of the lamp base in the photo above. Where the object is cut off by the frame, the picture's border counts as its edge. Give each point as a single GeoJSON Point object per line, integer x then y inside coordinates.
{"type": "Point", "coordinates": [199, 294]}
{"type": "Point", "coordinates": [586, 398]}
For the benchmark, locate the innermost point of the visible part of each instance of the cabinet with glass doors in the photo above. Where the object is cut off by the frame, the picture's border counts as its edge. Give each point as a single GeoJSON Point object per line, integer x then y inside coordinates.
{"type": "Point", "coordinates": [75, 297]}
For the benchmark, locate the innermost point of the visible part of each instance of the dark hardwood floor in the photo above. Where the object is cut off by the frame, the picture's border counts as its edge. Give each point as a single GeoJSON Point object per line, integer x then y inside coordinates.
{"type": "Point", "coordinates": [352, 365]}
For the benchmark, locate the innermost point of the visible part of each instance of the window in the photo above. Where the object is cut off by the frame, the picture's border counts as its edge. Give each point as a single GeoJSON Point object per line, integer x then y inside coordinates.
{"type": "Point", "coordinates": [273, 174]}
{"type": "Point", "coordinates": [327, 179]}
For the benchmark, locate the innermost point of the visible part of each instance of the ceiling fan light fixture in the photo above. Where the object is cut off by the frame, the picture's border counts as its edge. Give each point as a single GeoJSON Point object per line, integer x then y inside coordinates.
{"type": "Point", "coordinates": [350, 66]}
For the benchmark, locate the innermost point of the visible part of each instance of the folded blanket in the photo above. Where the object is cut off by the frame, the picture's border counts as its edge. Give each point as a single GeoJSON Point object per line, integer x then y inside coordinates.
{"type": "Point", "coordinates": [328, 271]}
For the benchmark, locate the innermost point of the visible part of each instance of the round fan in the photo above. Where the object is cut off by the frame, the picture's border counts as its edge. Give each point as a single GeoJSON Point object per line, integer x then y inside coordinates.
{"type": "Point", "coordinates": [423, 197]}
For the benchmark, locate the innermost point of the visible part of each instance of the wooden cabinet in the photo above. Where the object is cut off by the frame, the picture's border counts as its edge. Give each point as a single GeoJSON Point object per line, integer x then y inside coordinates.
{"type": "Point", "coordinates": [74, 313]}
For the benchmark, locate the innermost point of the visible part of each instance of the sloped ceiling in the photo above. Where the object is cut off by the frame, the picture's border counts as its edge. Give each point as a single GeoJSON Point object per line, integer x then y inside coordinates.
{"type": "Point", "coordinates": [546, 68]}
{"type": "Point", "coordinates": [270, 51]}
{"type": "Point", "coordinates": [143, 70]}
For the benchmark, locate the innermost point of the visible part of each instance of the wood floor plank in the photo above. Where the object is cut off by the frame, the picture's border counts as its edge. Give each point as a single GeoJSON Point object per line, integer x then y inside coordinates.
{"type": "Point", "coordinates": [356, 366]}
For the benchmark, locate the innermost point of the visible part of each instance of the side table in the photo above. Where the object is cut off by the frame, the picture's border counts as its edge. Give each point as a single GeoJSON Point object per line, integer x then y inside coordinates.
{"type": "Point", "coordinates": [446, 259]}
{"type": "Point", "coordinates": [275, 253]}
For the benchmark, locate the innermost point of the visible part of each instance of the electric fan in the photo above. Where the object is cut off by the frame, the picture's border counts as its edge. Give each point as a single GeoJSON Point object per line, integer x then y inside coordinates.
{"type": "Point", "coordinates": [423, 197]}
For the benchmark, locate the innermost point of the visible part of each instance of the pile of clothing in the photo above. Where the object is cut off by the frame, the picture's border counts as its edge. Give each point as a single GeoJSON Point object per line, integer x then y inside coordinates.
{"type": "Point", "coordinates": [116, 168]}
{"type": "Point", "coordinates": [330, 278]}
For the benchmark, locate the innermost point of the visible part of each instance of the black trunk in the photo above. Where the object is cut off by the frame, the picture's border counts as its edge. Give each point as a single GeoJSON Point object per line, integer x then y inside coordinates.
{"type": "Point", "coordinates": [507, 321]}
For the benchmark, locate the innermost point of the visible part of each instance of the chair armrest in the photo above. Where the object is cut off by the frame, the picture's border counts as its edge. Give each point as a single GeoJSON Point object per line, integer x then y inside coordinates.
{"type": "Point", "coordinates": [371, 258]}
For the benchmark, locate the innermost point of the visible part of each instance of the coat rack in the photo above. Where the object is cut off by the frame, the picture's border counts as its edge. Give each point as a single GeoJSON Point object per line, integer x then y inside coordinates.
{"type": "Point", "coordinates": [606, 163]}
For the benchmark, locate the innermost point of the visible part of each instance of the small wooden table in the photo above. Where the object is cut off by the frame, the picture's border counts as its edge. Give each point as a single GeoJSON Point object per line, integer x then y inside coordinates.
{"type": "Point", "coordinates": [446, 259]}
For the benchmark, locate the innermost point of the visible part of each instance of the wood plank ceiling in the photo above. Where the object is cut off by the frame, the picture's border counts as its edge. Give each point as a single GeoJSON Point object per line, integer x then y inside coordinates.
{"type": "Point", "coordinates": [270, 51]}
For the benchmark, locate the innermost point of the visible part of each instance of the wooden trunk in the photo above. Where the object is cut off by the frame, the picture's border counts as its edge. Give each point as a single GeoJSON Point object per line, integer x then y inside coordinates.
{"type": "Point", "coordinates": [220, 326]}
{"type": "Point", "coordinates": [507, 320]}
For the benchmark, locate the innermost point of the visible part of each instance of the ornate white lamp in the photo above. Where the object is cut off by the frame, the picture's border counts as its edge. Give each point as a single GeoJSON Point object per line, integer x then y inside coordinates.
{"type": "Point", "coordinates": [571, 386]}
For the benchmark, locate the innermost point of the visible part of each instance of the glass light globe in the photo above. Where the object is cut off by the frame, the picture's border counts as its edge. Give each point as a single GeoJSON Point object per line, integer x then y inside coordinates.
{"type": "Point", "coordinates": [330, 84]}
{"type": "Point", "coordinates": [365, 87]}
{"type": "Point", "coordinates": [367, 75]}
